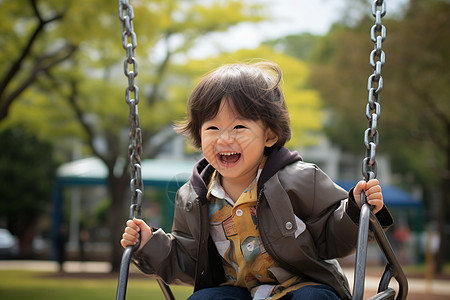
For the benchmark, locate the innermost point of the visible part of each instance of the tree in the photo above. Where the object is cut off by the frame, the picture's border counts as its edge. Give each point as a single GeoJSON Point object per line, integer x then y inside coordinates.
{"type": "Point", "coordinates": [81, 97]}
{"type": "Point", "coordinates": [33, 23]}
{"type": "Point", "coordinates": [299, 46]}
{"type": "Point", "coordinates": [25, 184]}
{"type": "Point", "coordinates": [415, 122]}
{"type": "Point", "coordinates": [304, 103]}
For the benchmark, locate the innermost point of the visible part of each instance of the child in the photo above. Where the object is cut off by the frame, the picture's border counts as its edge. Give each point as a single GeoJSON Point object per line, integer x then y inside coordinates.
{"type": "Point", "coordinates": [254, 221]}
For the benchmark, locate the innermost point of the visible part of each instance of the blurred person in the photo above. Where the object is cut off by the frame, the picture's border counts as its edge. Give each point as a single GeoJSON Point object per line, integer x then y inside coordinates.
{"type": "Point", "coordinates": [84, 238]}
{"type": "Point", "coordinates": [61, 241]}
{"type": "Point", "coordinates": [401, 237]}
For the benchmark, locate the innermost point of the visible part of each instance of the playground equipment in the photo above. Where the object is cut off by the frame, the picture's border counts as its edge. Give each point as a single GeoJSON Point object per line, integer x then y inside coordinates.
{"type": "Point", "coordinates": [369, 166]}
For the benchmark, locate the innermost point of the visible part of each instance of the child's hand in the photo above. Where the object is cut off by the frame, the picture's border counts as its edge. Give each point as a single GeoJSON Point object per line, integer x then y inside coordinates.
{"type": "Point", "coordinates": [374, 195]}
{"type": "Point", "coordinates": [131, 235]}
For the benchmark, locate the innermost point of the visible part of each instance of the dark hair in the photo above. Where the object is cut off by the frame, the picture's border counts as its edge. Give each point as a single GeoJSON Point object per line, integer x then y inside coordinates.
{"type": "Point", "coordinates": [253, 90]}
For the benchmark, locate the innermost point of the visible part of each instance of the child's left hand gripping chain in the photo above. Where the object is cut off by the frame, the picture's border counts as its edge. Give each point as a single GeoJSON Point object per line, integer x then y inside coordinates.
{"type": "Point", "coordinates": [131, 235]}
{"type": "Point", "coordinates": [373, 192]}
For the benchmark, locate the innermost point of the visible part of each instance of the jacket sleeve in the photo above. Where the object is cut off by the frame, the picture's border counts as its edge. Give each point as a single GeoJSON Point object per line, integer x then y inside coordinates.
{"type": "Point", "coordinates": [171, 256]}
{"type": "Point", "coordinates": [383, 216]}
{"type": "Point", "coordinates": [334, 218]}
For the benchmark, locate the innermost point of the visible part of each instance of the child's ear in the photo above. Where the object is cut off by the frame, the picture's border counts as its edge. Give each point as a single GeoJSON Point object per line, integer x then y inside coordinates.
{"type": "Point", "coordinates": [271, 138]}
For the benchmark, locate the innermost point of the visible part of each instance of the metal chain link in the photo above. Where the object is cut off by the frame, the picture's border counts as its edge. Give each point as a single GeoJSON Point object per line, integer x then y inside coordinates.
{"type": "Point", "coordinates": [374, 87]}
{"type": "Point", "coordinates": [130, 66]}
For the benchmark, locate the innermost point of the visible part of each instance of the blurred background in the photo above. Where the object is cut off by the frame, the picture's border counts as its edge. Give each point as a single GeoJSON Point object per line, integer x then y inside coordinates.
{"type": "Point", "coordinates": [64, 175]}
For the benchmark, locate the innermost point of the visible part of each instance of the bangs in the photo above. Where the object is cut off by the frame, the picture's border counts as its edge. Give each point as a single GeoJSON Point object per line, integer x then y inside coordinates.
{"type": "Point", "coordinates": [253, 91]}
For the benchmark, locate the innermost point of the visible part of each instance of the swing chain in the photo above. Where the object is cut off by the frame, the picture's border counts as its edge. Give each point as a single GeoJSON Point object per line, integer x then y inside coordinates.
{"type": "Point", "coordinates": [129, 42]}
{"type": "Point", "coordinates": [374, 87]}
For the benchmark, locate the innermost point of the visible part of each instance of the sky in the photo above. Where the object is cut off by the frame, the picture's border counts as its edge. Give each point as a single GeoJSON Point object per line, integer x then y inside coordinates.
{"type": "Point", "coordinates": [289, 17]}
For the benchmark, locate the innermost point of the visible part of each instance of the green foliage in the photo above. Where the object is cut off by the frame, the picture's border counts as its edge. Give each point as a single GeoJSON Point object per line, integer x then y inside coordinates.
{"type": "Point", "coordinates": [26, 176]}
{"type": "Point", "coordinates": [299, 46]}
{"type": "Point", "coordinates": [304, 104]}
{"type": "Point", "coordinates": [420, 90]}
{"type": "Point", "coordinates": [92, 81]}
{"type": "Point", "coordinates": [414, 127]}
{"type": "Point", "coordinates": [415, 112]}
{"type": "Point", "coordinates": [68, 86]}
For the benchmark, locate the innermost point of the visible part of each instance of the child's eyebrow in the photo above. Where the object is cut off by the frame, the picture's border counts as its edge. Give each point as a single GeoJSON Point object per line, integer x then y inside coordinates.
{"type": "Point", "coordinates": [241, 118]}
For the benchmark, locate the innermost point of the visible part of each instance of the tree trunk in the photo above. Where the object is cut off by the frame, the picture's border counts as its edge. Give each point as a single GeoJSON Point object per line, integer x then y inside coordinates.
{"type": "Point", "coordinates": [118, 215]}
{"type": "Point", "coordinates": [443, 215]}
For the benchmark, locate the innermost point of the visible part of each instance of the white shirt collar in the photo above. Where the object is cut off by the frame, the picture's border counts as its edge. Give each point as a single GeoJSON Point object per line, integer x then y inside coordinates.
{"type": "Point", "coordinates": [218, 191]}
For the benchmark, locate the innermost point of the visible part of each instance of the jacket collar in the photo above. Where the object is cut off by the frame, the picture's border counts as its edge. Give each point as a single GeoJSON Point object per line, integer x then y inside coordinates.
{"type": "Point", "coordinates": [201, 175]}
{"type": "Point", "coordinates": [277, 159]}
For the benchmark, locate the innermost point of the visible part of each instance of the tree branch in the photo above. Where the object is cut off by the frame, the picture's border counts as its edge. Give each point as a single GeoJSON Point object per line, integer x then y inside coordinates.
{"type": "Point", "coordinates": [16, 66]}
{"type": "Point", "coordinates": [167, 136]}
{"type": "Point", "coordinates": [439, 113]}
{"type": "Point", "coordinates": [42, 64]}
{"type": "Point", "coordinates": [80, 117]}
{"type": "Point", "coordinates": [426, 99]}
{"type": "Point", "coordinates": [160, 71]}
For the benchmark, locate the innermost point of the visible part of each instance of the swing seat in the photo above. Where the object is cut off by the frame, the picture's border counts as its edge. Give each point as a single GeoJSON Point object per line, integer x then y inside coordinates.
{"type": "Point", "coordinates": [393, 268]}
{"type": "Point", "coordinates": [387, 294]}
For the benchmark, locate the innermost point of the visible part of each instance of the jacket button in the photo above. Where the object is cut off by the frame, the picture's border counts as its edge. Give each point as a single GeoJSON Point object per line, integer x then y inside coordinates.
{"type": "Point", "coordinates": [189, 206]}
{"type": "Point", "coordinates": [288, 225]}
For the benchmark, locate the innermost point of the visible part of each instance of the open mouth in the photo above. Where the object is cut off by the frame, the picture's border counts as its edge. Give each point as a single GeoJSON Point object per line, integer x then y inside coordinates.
{"type": "Point", "coordinates": [228, 158]}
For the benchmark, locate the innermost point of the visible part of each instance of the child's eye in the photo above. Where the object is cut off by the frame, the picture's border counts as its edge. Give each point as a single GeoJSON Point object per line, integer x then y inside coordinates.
{"type": "Point", "coordinates": [239, 127]}
{"type": "Point", "coordinates": [212, 128]}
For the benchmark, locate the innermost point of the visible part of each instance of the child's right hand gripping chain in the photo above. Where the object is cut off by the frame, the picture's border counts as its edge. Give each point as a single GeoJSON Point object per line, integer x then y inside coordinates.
{"type": "Point", "coordinates": [373, 192]}
{"type": "Point", "coordinates": [131, 235]}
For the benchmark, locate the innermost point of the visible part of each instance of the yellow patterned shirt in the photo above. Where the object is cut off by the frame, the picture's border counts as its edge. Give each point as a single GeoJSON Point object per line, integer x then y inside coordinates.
{"type": "Point", "coordinates": [246, 263]}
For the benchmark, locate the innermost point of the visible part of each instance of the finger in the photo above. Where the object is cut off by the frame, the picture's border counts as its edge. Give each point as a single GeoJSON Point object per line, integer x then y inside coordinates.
{"type": "Point", "coordinates": [139, 222]}
{"type": "Point", "coordinates": [372, 182]}
{"type": "Point", "coordinates": [374, 196]}
{"type": "Point", "coordinates": [374, 192]}
{"type": "Point", "coordinates": [132, 224]}
{"type": "Point", "coordinates": [125, 243]}
{"type": "Point", "coordinates": [360, 186]}
{"type": "Point", "coordinates": [377, 205]}
{"type": "Point", "coordinates": [132, 232]}
{"type": "Point", "coordinates": [127, 240]}
{"type": "Point", "coordinates": [130, 239]}
{"type": "Point", "coordinates": [358, 189]}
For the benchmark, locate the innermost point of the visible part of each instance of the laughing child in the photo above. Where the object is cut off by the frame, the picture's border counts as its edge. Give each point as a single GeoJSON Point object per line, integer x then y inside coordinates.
{"type": "Point", "coordinates": [254, 221]}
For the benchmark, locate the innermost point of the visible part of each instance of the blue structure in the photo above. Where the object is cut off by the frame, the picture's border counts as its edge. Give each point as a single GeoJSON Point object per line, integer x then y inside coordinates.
{"type": "Point", "coordinates": [168, 175]}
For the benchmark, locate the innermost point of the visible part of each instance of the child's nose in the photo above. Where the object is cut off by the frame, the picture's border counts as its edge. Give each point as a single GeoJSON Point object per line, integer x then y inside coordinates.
{"type": "Point", "coordinates": [225, 137]}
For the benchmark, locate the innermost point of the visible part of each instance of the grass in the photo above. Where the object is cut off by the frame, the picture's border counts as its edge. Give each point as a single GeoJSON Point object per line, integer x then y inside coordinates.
{"type": "Point", "coordinates": [33, 285]}
{"type": "Point", "coordinates": [38, 285]}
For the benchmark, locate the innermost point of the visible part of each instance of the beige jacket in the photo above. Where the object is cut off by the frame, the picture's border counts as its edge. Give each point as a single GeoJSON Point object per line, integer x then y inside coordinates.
{"type": "Point", "coordinates": [325, 228]}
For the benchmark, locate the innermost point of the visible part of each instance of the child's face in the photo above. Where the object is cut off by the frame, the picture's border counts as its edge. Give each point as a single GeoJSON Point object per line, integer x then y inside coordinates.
{"type": "Point", "coordinates": [233, 145]}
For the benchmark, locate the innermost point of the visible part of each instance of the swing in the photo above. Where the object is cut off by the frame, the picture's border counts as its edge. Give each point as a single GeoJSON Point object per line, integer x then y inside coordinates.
{"type": "Point", "coordinates": [369, 166]}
